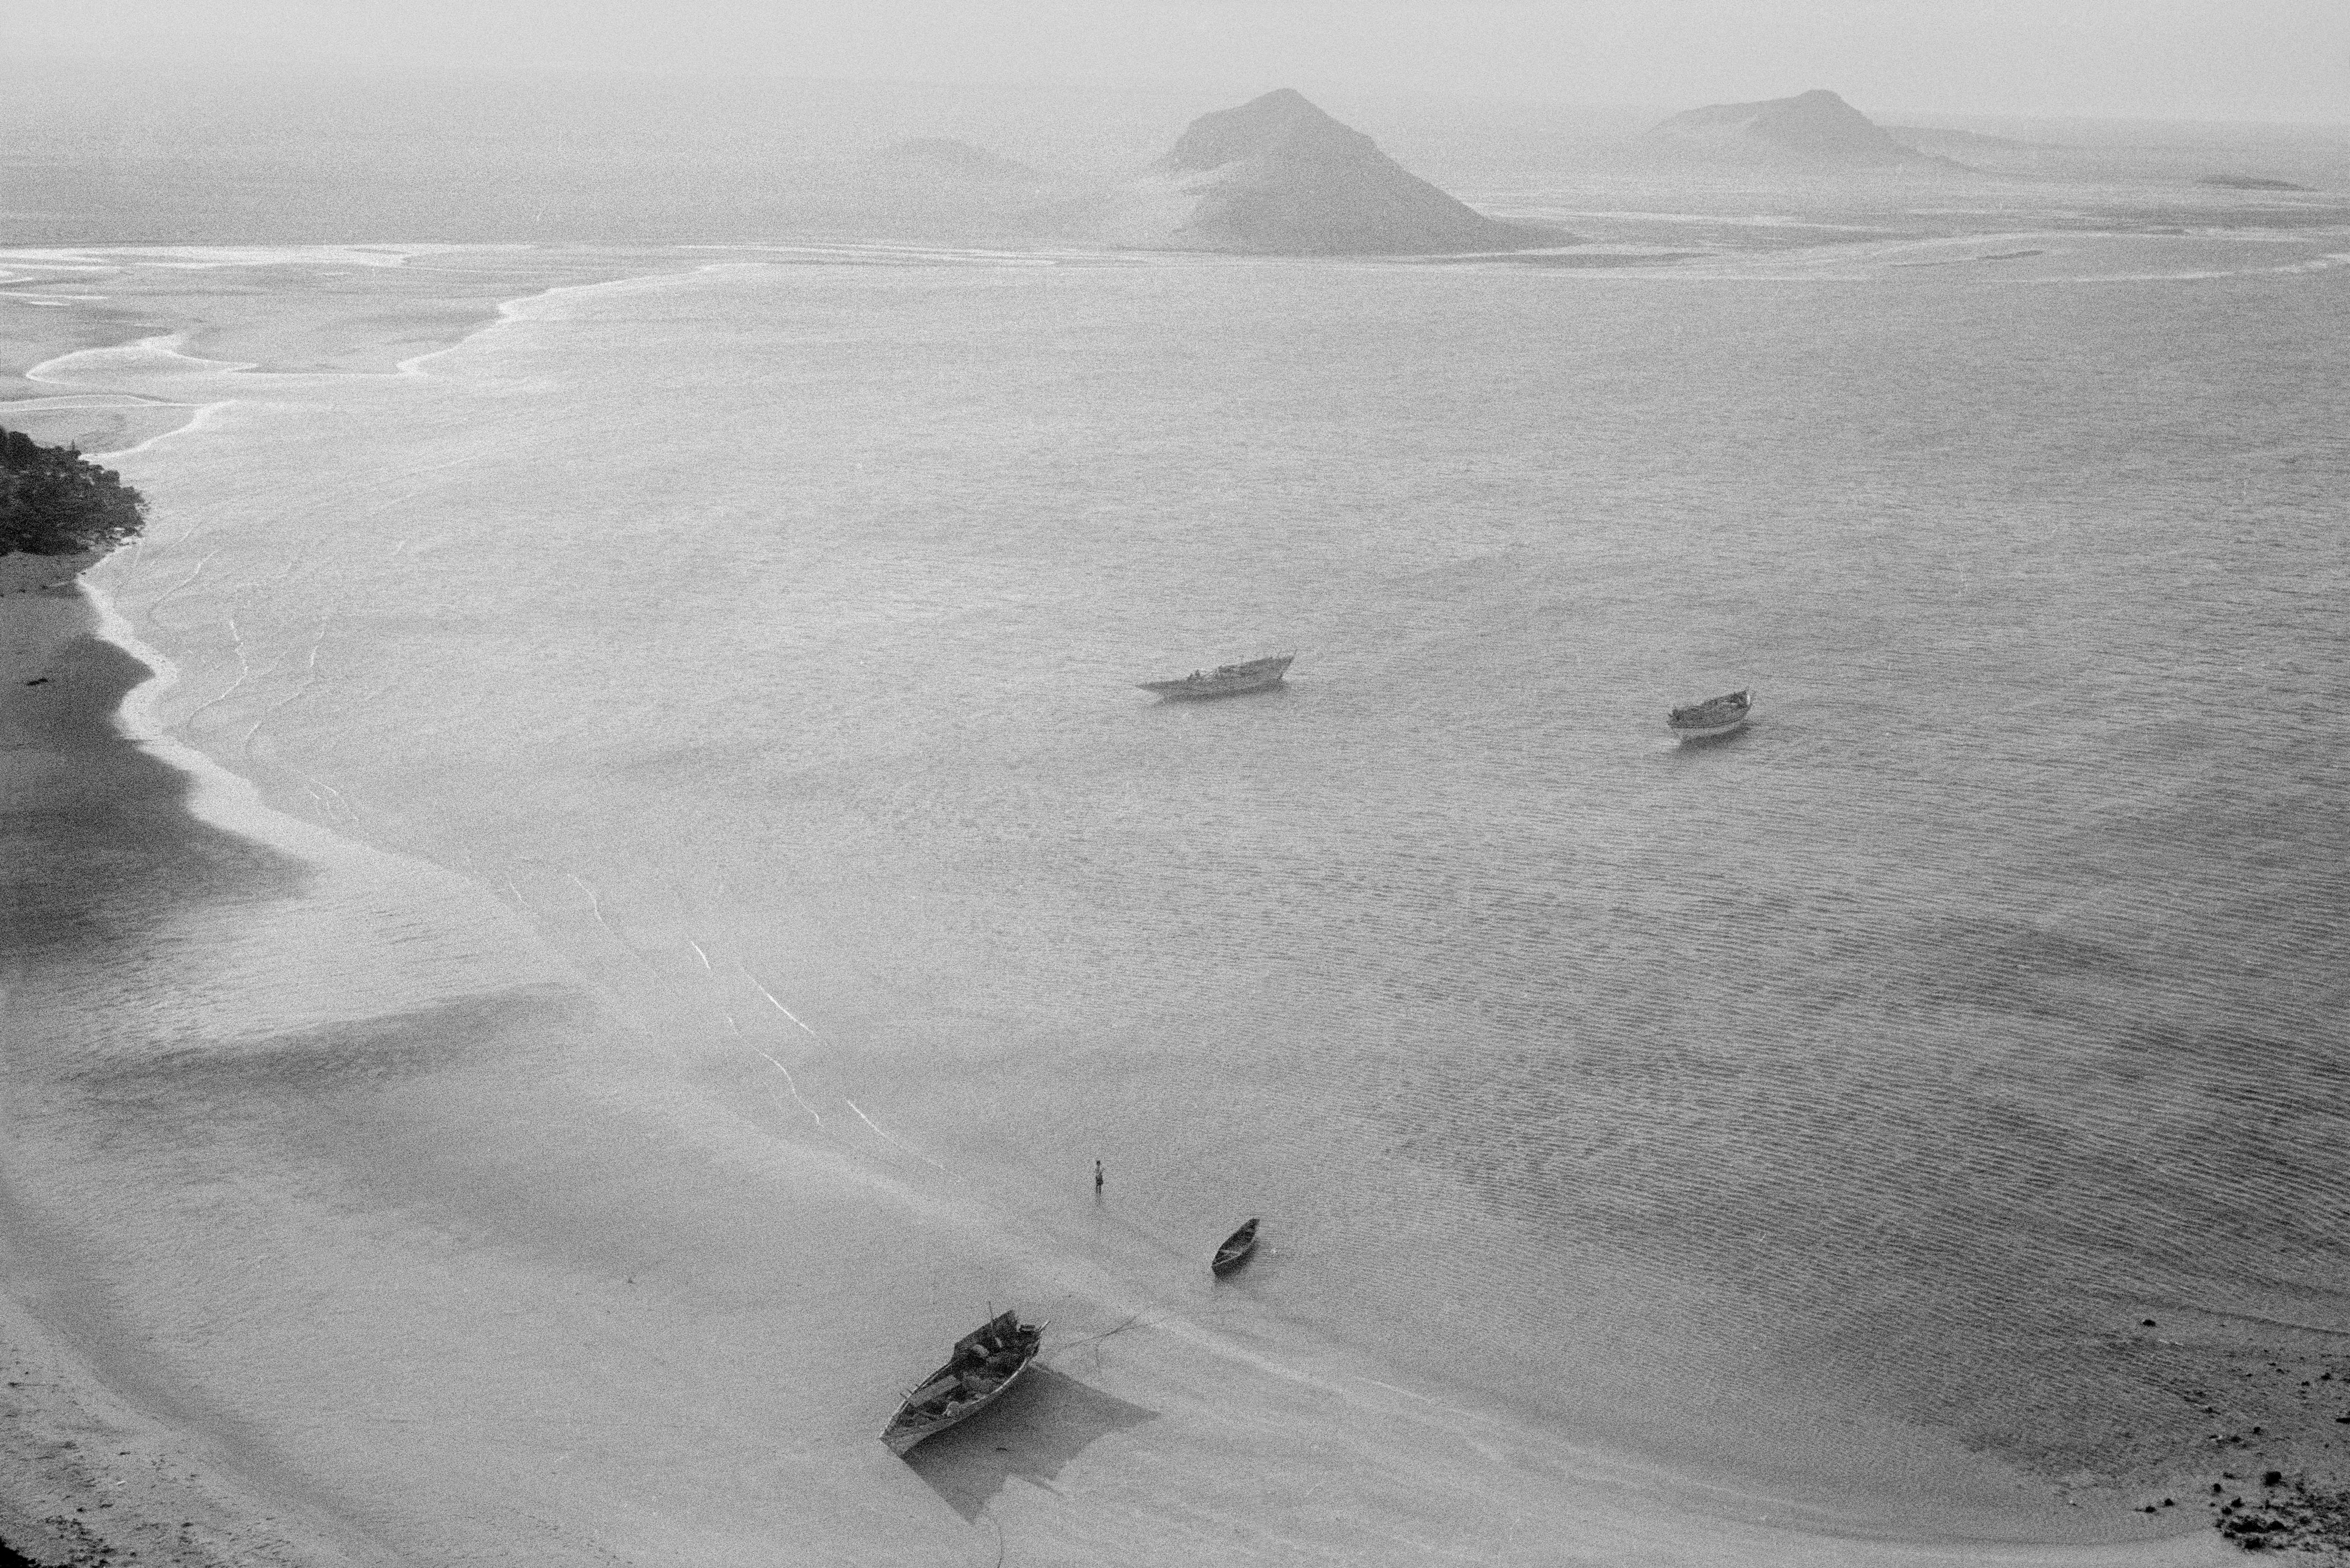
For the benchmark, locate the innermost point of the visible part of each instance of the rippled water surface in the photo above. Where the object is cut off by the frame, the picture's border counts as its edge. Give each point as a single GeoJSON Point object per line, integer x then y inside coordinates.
{"type": "Point", "coordinates": [766, 637]}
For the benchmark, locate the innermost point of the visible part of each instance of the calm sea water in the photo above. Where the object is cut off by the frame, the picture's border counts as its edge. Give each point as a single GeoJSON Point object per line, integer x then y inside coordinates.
{"type": "Point", "coordinates": [1814, 1109]}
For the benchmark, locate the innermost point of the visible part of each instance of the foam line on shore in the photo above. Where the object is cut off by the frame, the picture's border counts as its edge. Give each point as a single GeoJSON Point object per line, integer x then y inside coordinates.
{"type": "Point", "coordinates": [223, 798]}
{"type": "Point", "coordinates": [201, 415]}
{"type": "Point", "coordinates": [202, 258]}
{"type": "Point", "coordinates": [515, 310]}
{"type": "Point", "coordinates": [220, 797]}
{"type": "Point", "coordinates": [161, 344]}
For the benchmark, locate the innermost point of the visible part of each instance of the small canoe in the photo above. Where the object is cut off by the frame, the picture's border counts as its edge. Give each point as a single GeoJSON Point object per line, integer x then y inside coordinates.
{"type": "Point", "coordinates": [1714, 716]}
{"type": "Point", "coordinates": [986, 1363]}
{"type": "Point", "coordinates": [1235, 1251]}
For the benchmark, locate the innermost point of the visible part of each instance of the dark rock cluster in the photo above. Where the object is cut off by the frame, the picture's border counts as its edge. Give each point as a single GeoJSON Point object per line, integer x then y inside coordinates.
{"type": "Point", "coordinates": [2283, 1515]}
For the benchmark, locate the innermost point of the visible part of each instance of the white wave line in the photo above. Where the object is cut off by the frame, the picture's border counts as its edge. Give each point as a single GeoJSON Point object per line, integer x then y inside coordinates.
{"type": "Point", "coordinates": [699, 954]}
{"type": "Point", "coordinates": [1405, 1392]}
{"type": "Point", "coordinates": [158, 602]}
{"type": "Point", "coordinates": [869, 1122]}
{"type": "Point", "coordinates": [197, 421]}
{"type": "Point", "coordinates": [794, 1017]}
{"type": "Point", "coordinates": [786, 1072]}
{"type": "Point", "coordinates": [595, 905]}
{"type": "Point", "coordinates": [340, 801]}
{"type": "Point", "coordinates": [309, 680]}
{"type": "Point", "coordinates": [160, 343]}
{"type": "Point", "coordinates": [244, 670]}
{"type": "Point", "coordinates": [779, 1007]}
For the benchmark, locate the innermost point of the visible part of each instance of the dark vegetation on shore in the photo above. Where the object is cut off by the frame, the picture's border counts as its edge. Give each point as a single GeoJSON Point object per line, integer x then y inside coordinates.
{"type": "Point", "coordinates": [55, 501]}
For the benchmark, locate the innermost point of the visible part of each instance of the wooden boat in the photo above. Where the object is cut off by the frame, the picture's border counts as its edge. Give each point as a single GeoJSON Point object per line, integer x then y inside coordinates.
{"type": "Point", "coordinates": [1235, 1251]}
{"type": "Point", "coordinates": [1227, 680]}
{"type": "Point", "coordinates": [986, 1363]}
{"type": "Point", "coordinates": [1714, 716]}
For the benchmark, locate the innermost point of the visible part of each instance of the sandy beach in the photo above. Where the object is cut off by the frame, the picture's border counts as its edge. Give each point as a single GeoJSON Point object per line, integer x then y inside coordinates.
{"type": "Point", "coordinates": [94, 1458]}
{"type": "Point", "coordinates": [436, 1251]}
{"type": "Point", "coordinates": [103, 1462]}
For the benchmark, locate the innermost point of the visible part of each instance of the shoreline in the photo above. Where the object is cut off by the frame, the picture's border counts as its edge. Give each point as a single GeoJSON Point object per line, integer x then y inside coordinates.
{"type": "Point", "coordinates": [88, 1475]}
{"type": "Point", "coordinates": [87, 1468]}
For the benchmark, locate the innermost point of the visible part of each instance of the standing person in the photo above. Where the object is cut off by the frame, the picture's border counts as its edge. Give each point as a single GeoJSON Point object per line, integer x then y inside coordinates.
{"type": "Point", "coordinates": [1098, 1176]}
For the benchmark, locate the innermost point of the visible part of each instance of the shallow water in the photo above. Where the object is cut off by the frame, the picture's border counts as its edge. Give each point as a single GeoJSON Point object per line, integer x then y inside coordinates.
{"type": "Point", "coordinates": [1817, 1112]}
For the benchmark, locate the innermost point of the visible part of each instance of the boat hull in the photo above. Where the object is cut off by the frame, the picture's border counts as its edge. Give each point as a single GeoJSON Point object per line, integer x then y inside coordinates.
{"type": "Point", "coordinates": [901, 1440]}
{"type": "Point", "coordinates": [961, 1390]}
{"type": "Point", "coordinates": [1711, 732]}
{"type": "Point", "coordinates": [1229, 681]}
{"type": "Point", "coordinates": [1713, 718]}
{"type": "Point", "coordinates": [1238, 1249]}
{"type": "Point", "coordinates": [1185, 691]}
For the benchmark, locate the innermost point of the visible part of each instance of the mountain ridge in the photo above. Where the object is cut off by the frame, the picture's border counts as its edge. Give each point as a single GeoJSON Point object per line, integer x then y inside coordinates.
{"type": "Point", "coordinates": [1815, 126]}
{"type": "Point", "coordinates": [1278, 176]}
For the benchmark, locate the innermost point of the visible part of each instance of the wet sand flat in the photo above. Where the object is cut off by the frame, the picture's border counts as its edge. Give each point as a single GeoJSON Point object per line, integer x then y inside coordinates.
{"type": "Point", "coordinates": [358, 310]}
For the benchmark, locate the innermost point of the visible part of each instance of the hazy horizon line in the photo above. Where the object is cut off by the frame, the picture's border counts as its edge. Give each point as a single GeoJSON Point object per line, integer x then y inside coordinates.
{"type": "Point", "coordinates": [1214, 92]}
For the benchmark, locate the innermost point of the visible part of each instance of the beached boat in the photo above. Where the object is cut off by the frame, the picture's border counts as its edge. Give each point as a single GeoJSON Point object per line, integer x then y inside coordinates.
{"type": "Point", "coordinates": [986, 1363]}
{"type": "Point", "coordinates": [1714, 716]}
{"type": "Point", "coordinates": [1236, 1250]}
{"type": "Point", "coordinates": [1227, 680]}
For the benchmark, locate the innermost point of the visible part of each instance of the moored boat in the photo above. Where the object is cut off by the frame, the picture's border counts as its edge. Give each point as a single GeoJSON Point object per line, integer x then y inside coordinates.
{"type": "Point", "coordinates": [1714, 716]}
{"type": "Point", "coordinates": [1226, 680]}
{"type": "Point", "coordinates": [1235, 1251]}
{"type": "Point", "coordinates": [986, 1363]}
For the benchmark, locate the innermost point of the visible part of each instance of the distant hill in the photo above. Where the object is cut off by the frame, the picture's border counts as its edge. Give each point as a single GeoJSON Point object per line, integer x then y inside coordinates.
{"type": "Point", "coordinates": [1815, 128]}
{"type": "Point", "coordinates": [1276, 176]}
{"type": "Point", "coordinates": [2249, 183]}
{"type": "Point", "coordinates": [945, 158]}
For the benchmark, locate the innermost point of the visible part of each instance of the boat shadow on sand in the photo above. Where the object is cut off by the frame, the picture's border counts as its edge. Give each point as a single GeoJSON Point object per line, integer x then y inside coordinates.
{"type": "Point", "coordinates": [1038, 1428]}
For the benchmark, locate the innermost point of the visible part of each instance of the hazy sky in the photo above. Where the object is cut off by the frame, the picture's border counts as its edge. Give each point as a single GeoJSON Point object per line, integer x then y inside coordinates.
{"type": "Point", "coordinates": [2264, 59]}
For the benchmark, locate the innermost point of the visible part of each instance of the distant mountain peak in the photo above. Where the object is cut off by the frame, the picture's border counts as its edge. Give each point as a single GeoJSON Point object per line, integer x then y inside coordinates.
{"type": "Point", "coordinates": [1283, 121]}
{"type": "Point", "coordinates": [1814, 127]}
{"type": "Point", "coordinates": [1277, 176]}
